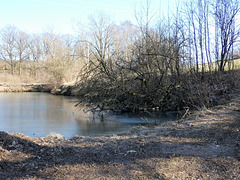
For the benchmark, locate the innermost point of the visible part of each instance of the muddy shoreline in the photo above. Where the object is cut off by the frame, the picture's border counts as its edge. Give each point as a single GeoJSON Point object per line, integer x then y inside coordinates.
{"type": "Point", "coordinates": [205, 145]}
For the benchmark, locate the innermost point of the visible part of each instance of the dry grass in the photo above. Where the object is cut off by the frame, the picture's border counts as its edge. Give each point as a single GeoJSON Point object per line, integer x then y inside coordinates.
{"type": "Point", "coordinates": [69, 78]}
{"type": "Point", "coordinates": [7, 78]}
{"type": "Point", "coordinates": [235, 65]}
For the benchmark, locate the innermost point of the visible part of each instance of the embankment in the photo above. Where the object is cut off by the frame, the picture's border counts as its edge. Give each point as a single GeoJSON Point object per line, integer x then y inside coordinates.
{"type": "Point", "coordinates": [34, 87]}
{"type": "Point", "coordinates": [66, 90]}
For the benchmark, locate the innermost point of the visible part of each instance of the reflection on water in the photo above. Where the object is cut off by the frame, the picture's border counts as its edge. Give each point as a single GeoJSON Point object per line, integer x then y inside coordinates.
{"type": "Point", "coordinates": [40, 114]}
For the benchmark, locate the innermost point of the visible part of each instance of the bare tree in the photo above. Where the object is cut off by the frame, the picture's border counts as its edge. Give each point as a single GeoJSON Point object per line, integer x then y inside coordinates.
{"type": "Point", "coordinates": [8, 50]}
{"type": "Point", "coordinates": [22, 47]}
{"type": "Point", "coordinates": [35, 54]}
{"type": "Point", "coordinates": [102, 33]}
{"type": "Point", "coordinates": [225, 14]}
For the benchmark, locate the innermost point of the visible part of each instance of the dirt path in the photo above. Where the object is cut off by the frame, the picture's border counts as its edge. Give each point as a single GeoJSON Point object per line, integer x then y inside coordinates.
{"type": "Point", "coordinates": [204, 146]}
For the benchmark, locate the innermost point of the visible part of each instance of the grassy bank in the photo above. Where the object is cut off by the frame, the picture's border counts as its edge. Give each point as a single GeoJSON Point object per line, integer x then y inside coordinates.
{"type": "Point", "coordinates": [43, 82]}
{"type": "Point", "coordinates": [35, 87]}
{"type": "Point", "coordinates": [214, 66]}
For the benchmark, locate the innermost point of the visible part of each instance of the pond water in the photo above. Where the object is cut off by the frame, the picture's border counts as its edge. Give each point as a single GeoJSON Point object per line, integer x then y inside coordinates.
{"type": "Point", "coordinates": [40, 114]}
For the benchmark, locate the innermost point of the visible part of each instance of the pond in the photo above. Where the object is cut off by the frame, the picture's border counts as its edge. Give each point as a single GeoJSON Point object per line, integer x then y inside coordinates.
{"type": "Point", "coordinates": [40, 114]}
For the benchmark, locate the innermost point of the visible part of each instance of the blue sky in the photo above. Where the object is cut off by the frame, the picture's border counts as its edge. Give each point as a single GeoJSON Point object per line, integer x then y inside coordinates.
{"type": "Point", "coordinates": [36, 16]}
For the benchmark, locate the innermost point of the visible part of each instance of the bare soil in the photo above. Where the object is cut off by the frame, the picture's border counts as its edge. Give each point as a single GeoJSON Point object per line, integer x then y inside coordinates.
{"type": "Point", "coordinates": [206, 145]}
